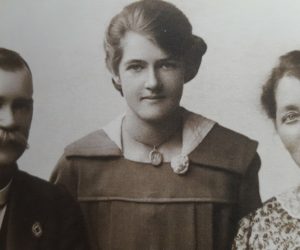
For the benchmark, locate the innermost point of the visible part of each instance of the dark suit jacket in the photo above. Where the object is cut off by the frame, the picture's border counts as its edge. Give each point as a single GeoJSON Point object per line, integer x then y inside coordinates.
{"type": "Point", "coordinates": [42, 216]}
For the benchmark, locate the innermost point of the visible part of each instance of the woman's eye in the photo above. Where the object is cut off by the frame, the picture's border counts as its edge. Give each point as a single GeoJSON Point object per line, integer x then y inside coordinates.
{"type": "Point", "coordinates": [169, 65]}
{"type": "Point", "coordinates": [135, 67]}
{"type": "Point", "coordinates": [290, 117]}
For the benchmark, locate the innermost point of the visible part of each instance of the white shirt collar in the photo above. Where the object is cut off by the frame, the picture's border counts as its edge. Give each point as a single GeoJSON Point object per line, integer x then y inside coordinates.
{"type": "Point", "coordinates": [4, 193]}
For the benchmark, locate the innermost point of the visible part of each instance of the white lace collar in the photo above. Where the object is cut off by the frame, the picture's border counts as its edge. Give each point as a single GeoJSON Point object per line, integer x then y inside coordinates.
{"type": "Point", "coordinates": [290, 201]}
{"type": "Point", "coordinates": [195, 129]}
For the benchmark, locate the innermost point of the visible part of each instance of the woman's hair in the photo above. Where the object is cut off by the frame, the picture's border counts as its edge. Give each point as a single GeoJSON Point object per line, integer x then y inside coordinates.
{"type": "Point", "coordinates": [164, 24]}
{"type": "Point", "coordinates": [289, 65]}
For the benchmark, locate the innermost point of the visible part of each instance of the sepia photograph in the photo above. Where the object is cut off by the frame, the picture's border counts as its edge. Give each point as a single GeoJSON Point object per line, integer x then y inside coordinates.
{"type": "Point", "coordinates": [149, 124]}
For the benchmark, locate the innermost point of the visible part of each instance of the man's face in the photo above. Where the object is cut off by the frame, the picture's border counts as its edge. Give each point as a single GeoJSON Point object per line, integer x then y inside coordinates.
{"type": "Point", "coordinates": [16, 106]}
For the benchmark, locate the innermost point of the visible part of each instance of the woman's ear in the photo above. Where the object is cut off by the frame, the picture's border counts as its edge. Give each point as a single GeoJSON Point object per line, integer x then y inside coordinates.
{"type": "Point", "coordinates": [116, 79]}
{"type": "Point", "coordinates": [117, 84]}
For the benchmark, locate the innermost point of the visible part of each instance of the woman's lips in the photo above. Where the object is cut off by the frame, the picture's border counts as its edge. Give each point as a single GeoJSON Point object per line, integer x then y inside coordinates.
{"type": "Point", "coordinates": [152, 97]}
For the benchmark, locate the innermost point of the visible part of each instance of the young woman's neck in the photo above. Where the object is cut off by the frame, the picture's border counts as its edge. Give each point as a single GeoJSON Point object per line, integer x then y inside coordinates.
{"type": "Point", "coordinates": [152, 132]}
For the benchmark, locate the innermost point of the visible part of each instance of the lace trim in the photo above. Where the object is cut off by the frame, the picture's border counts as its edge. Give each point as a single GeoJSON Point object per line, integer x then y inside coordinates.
{"type": "Point", "coordinates": [290, 201]}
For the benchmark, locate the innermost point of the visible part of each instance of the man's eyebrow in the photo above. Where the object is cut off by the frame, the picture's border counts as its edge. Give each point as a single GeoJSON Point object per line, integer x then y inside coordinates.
{"type": "Point", "coordinates": [24, 100]}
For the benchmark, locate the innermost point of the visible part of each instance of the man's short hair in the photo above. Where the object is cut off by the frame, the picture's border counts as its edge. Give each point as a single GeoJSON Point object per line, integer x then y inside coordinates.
{"type": "Point", "coordinates": [12, 61]}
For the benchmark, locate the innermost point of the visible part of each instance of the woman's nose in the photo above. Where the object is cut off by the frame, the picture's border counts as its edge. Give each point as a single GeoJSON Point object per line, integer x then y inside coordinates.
{"type": "Point", "coordinates": [7, 117]}
{"type": "Point", "coordinates": [152, 81]}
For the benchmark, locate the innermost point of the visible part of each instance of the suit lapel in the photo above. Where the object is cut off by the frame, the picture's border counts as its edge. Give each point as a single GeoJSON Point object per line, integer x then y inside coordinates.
{"type": "Point", "coordinates": [22, 216]}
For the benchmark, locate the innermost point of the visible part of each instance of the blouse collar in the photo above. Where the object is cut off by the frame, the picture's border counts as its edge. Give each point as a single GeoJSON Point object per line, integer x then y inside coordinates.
{"type": "Point", "coordinates": [204, 141]}
{"type": "Point", "coordinates": [290, 201]}
{"type": "Point", "coordinates": [195, 129]}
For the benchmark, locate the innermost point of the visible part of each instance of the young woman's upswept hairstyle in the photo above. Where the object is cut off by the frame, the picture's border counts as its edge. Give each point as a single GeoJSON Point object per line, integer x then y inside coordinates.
{"type": "Point", "coordinates": [164, 24]}
{"type": "Point", "coordinates": [289, 65]}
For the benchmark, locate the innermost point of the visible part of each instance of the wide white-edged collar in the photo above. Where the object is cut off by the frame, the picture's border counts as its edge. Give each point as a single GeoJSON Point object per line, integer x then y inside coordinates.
{"type": "Point", "coordinates": [195, 129]}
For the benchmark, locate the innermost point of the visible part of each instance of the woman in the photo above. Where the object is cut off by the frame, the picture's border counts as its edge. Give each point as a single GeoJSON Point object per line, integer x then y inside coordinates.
{"type": "Point", "coordinates": [277, 224]}
{"type": "Point", "coordinates": [159, 177]}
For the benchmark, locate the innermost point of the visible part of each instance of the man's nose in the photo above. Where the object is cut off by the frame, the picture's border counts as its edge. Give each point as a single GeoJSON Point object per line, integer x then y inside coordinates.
{"type": "Point", "coordinates": [152, 81]}
{"type": "Point", "coordinates": [7, 118]}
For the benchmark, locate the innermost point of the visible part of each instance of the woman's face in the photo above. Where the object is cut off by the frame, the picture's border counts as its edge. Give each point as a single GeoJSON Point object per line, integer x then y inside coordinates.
{"type": "Point", "coordinates": [151, 81]}
{"type": "Point", "coordinates": [287, 97]}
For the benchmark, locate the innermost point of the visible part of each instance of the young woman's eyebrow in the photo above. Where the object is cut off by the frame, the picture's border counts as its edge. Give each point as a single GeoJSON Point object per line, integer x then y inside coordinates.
{"type": "Point", "coordinates": [134, 61]}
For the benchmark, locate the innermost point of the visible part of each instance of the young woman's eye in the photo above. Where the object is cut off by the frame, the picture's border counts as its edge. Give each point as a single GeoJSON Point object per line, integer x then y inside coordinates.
{"type": "Point", "coordinates": [169, 65]}
{"type": "Point", "coordinates": [290, 117]}
{"type": "Point", "coordinates": [135, 67]}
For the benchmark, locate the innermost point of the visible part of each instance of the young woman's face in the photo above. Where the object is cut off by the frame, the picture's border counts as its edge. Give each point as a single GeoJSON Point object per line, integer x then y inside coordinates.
{"type": "Point", "coordinates": [287, 97]}
{"type": "Point", "coordinates": [151, 81]}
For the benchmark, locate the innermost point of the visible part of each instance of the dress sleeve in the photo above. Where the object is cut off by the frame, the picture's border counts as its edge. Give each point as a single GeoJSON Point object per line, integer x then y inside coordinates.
{"type": "Point", "coordinates": [73, 233]}
{"type": "Point", "coordinates": [74, 229]}
{"type": "Point", "coordinates": [249, 197]}
{"type": "Point", "coordinates": [65, 175]}
{"type": "Point", "coordinates": [241, 240]}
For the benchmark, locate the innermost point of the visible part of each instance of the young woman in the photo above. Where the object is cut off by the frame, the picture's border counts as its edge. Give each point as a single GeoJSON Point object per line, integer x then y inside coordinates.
{"type": "Point", "coordinates": [159, 177]}
{"type": "Point", "coordinates": [277, 224]}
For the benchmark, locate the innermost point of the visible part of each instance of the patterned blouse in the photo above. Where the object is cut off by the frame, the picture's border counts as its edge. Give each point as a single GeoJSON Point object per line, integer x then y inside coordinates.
{"type": "Point", "coordinates": [274, 226]}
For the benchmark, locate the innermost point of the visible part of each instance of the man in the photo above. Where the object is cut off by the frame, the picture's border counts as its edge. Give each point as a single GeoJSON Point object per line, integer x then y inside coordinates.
{"type": "Point", "coordinates": [34, 214]}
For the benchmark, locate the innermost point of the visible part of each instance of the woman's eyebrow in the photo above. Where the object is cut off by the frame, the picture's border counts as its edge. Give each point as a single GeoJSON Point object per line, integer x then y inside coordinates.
{"type": "Point", "coordinates": [133, 61]}
{"type": "Point", "coordinates": [170, 59]}
{"type": "Point", "coordinates": [290, 107]}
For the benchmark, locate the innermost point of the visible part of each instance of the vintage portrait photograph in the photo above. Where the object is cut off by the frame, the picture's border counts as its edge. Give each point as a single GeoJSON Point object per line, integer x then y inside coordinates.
{"type": "Point", "coordinates": [149, 125]}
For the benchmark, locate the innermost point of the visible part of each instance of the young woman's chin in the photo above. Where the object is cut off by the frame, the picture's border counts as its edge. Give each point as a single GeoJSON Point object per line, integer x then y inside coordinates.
{"type": "Point", "coordinates": [157, 113]}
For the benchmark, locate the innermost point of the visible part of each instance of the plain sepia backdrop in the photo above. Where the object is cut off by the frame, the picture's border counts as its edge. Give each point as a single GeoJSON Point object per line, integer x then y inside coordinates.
{"type": "Point", "coordinates": [73, 95]}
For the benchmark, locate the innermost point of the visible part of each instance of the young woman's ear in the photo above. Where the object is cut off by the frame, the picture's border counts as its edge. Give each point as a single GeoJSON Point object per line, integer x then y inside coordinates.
{"type": "Point", "coordinates": [117, 84]}
{"type": "Point", "coordinates": [116, 79]}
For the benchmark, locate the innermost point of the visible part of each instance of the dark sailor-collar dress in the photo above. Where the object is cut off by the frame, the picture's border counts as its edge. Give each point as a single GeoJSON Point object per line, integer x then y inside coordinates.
{"type": "Point", "coordinates": [134, 205]}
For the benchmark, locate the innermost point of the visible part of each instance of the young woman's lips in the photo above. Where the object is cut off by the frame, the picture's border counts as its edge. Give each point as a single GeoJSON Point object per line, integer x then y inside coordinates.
{"type": "Point", "coordinates": [152, 97]}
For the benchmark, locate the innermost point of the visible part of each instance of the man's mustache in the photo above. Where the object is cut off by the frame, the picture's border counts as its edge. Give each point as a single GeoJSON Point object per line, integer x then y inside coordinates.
{"type": "Point", "coordinates": [13, 137]}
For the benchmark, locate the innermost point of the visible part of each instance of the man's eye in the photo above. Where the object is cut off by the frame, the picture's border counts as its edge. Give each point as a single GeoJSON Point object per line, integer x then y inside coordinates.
{"type": "Point", "coordinates": [290, 117]}
{"type": "Point", "coordinates": [22, 105]}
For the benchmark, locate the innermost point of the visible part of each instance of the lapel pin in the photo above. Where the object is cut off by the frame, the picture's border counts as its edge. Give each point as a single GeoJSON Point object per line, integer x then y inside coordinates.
{"type": "Point", "coordinates": [37, 229]}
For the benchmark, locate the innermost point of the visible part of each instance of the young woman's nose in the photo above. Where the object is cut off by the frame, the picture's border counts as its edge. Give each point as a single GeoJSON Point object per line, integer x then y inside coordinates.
{"type": "Point", "coordinates": [152, 81]}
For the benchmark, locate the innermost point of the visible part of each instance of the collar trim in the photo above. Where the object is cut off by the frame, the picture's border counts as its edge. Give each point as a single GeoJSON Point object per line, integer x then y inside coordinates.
{"type": "Point", "coordinates": [195, 129]}
{"type": "Point", "coordinates": [204, 141]}
{"type": "Point", "coordinates": [290, 201]}
{"type": "Point", "coordinates": [97, 144]}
